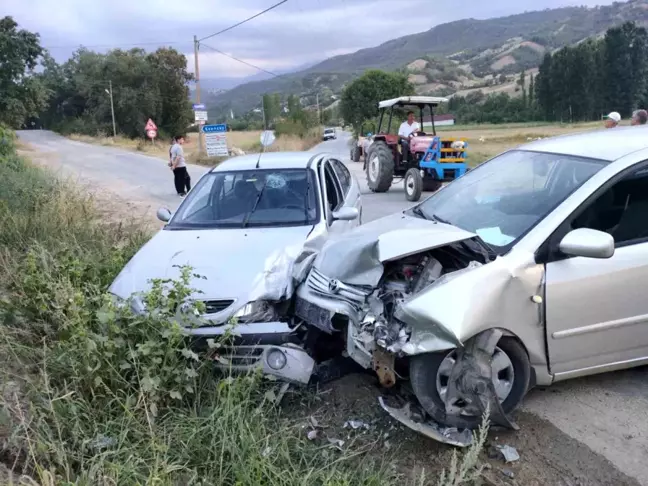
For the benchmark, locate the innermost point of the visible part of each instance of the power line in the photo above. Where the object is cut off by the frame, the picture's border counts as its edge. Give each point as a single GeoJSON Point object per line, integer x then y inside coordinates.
{"type": "Point", "coordinates": [107, 46]}
{"type": "Point", "coordinates": [240, 60]}
{"type": "Point", "coordinates": [243, 21]}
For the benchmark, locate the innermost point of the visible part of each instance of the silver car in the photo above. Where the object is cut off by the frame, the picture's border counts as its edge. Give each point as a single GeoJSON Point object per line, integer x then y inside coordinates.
{"type": "Point", "coordinates": [246, 226]}
{"type": "Point", "coordinates": [530, 269]}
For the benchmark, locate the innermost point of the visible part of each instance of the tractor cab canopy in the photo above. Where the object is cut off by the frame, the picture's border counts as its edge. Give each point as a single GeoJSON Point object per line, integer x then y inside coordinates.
{"type": "Point", "coordinates": [421, 102]}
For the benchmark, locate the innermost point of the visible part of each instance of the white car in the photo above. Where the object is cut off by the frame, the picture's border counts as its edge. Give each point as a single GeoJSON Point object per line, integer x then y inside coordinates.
{"type": "Point", "coordinates": [329, 134]}
{"type": "Point", "coordinates": [242, 227]}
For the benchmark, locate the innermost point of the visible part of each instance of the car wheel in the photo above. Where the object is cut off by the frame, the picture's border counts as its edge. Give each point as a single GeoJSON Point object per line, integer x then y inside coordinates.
{"type": "Point", "coordinates": [429, 375]}
{"type": "Point", "coordinates": [413, 185]}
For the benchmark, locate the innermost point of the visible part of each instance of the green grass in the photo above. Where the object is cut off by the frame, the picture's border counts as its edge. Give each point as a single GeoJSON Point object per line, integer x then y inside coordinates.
{"type": "Point", "coordinates": [93, 394]}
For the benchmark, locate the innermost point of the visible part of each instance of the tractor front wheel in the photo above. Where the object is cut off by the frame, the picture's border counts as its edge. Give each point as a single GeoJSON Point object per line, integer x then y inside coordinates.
{"type": "Point", "coordinates": [413, 185]}
{"type": "Point", "coordinates": [379, 164]}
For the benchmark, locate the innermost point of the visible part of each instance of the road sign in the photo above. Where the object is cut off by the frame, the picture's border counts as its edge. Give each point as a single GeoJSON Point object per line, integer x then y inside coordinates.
{"type": "Point", "coordinates": [267, 138]}
{"type": "Point", "coordinates": [150, 125]}
{"type": "Point", "coordinates": [215, 140]}
{"type": "Point", "coordinates": [199, 107]}
{"type": "Point", "coordinates": [215, 128]}
{"type": "Point", "coordinates": [200, 115]}
{"type": "Point", "coordinates": [151, 133]}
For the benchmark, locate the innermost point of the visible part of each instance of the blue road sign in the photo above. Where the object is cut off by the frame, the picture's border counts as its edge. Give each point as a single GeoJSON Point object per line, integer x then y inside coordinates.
{"type": "Point", "coordinates": [199, 106]}
{"type": "Point", "coordinates": [214, 128]}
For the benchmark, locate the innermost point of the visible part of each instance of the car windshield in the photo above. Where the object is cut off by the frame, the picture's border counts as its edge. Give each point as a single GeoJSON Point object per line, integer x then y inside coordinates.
{"type": "Point", "coordinates": [328, 130]}
{"type": "Point", "coordinates": [263, 197]}
{"type": "Point", "coordinates": [503, 199]}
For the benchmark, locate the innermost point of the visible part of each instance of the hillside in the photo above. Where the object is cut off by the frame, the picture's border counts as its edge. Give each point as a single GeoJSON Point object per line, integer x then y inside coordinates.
{"type": "Point", "coordinates": [481, 51]}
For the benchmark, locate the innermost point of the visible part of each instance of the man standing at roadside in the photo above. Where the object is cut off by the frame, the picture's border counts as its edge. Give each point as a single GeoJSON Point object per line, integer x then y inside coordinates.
{"type": "Point", "coordinates": [181, 177]}
{"type": "Point", "coordinates": [612, 120]}
{"type": "Point", "coordinates": [639, 117]}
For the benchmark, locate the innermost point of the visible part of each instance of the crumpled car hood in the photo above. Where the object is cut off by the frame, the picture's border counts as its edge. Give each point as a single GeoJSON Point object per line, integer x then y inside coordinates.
{"type": "Point", "coordinates": [235, 262]}
{"type": "Point", "coordinates": [356, 257]}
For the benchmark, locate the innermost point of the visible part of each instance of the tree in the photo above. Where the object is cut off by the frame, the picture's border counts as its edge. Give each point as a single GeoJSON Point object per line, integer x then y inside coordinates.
{"type": "Point", "coordinates": [22, 95]}
{"type": "Point", "coordinates": [145, 85]}
{"type": "Point", "coordinates": [359, 102]}
{"type": "Point", "coordinates": [522, 83]}
{"type": "Point", "coordinates": [625, 57]}
{"type": "Point", "coordinates": [544, 93]}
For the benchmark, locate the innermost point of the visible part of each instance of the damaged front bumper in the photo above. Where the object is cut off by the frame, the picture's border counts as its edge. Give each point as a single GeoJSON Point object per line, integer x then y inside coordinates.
{"type": "Point", "coordinates": [254, 345]}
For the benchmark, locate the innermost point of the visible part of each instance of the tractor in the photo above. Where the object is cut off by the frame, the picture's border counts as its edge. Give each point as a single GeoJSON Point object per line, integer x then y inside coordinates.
{"type": "Point", "coordinates": [428, 162]}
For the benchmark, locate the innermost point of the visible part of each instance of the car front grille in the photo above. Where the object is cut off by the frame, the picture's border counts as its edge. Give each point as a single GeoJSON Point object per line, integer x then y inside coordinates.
{"type": "Point", "coordinates": [216, 306]}
{"type": "Point", "coordinates": [352, 294]}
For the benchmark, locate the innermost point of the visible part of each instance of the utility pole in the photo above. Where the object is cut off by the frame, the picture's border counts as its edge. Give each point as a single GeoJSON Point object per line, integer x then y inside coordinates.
{"type": "Point", "coordinates": [112, 108]}
{"type": "Point", "coordinates": [263, 114]}
{"type": "Point", "coordinates": [197, 75]}
{"type": "Point", "coordinates": [319, 117]}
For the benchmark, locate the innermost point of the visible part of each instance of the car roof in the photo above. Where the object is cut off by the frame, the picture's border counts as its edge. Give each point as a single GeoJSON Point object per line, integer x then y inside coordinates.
{"type": "Point", "coordinates": [413, 100]}
{"type": "Point", "coordinates": [269, 160]}
{"type": "Point", "coordinates": [607, 144]}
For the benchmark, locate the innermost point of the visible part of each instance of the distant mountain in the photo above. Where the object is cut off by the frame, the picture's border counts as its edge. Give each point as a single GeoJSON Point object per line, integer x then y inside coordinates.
{"type": "Point", "coordinates": [480, 51]}
{"type": "Point", "coordinates": [216, 86]}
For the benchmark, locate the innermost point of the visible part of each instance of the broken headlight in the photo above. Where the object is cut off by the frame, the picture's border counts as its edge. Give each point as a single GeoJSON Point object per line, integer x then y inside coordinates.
{"type": "Point", "coordinates": [259, 310]}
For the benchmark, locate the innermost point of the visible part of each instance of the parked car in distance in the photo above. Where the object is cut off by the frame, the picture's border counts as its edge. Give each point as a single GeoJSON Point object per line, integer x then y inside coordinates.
{"type": "Point", "coordinates": [241, 227]}
{"type": "Point", "coordinates": [329, 134]}
{"type": "Point", "coordinates": [529, 269]}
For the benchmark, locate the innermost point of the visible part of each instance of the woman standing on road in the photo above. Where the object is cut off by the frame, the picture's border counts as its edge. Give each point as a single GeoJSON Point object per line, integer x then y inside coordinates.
{"type": "Point", "coordinates": [181, 177]}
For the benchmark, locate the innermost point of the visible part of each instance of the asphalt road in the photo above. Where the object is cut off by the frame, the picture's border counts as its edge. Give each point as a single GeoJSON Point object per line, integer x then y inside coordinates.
{"type": "Point", "coordinates": [608, 413]}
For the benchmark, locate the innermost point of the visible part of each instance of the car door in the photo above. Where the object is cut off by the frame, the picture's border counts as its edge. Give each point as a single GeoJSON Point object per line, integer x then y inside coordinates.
{"type": "Point", "coordinates": [350, 189]}
{"type": "Point", "coordinates": [597, 309]}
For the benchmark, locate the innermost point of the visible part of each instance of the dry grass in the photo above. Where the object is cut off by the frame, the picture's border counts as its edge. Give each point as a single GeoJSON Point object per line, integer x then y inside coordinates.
{"type": "Point", "coordinates": [248, 141]}
{"type": "Point", "coordinates": [486, 141]}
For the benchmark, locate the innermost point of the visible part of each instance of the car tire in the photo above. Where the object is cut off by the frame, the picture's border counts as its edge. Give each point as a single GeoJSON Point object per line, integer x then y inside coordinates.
{"type": "Point", "coordinates": [379, 165]}
{"type": "Point", "coordinates": [413, 184]}
{"type": "Point", "coordinates": [424, 370]}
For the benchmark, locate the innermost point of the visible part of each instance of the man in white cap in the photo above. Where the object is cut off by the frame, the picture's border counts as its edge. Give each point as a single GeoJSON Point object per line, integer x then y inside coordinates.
{"type": "Point", "coordinates": [612, 120]}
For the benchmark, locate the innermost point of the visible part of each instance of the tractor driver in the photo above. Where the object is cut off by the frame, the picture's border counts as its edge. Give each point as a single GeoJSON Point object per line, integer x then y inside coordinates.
{"type": "Point", "coordinates": [408, 128]}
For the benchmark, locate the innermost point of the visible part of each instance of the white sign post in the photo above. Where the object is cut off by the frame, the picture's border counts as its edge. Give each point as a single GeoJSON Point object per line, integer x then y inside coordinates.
{"type": "Point", "coordinates": [216, 140]}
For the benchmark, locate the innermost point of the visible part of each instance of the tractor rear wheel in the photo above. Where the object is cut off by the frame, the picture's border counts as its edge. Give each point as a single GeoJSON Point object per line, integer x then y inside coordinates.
{"type": "Point", "coordinates": [379, 164]}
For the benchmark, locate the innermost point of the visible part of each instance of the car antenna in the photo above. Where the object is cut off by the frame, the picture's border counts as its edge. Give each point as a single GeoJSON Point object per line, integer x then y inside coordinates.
{"type": "Point", "coordinates": [260, 154]}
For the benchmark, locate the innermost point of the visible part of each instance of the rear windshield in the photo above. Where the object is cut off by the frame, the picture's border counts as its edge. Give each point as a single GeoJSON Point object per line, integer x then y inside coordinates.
{"type": "Point", "coordinates": [267, 198]}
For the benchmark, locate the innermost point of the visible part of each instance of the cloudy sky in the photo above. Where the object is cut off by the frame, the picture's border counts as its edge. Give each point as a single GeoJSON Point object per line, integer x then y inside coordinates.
{"type": "Point", "coordinates": [296, 33]}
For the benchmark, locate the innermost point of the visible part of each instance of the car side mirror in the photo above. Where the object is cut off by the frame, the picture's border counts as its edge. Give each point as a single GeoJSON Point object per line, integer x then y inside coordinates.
{"type": "Point", "coordinates": [164, 215]}
{"type": "Point", "coordinates": [345, 214]}
{"type": "Point", "coordinates": [589, 243]}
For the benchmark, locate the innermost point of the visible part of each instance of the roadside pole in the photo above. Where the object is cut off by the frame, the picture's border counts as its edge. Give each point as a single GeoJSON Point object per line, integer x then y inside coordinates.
{"type": "Point", "coordinates": [112, 109]}
{"type": "Point", "coordinates": [319, 117]}
{"type": "Point", "coordinates": [197, 75]}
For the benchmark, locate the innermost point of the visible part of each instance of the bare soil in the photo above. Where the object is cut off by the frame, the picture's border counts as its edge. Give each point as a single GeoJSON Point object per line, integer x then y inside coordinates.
{"type": "Point", "coordinates": [548, 457]}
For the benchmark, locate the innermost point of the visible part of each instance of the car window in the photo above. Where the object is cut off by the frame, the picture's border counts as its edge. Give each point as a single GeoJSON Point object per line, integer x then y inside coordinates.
{"type": "Point", "coordinates": [622, 210]}
{"type": "Point", "coordinates": [343, 176]}
{"type": "Point", "coordinates": [332, 189]}
{"type": "Point", "coordinates": [263, 197]}
{"type": "Point", "coordinates": [504, 198]}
